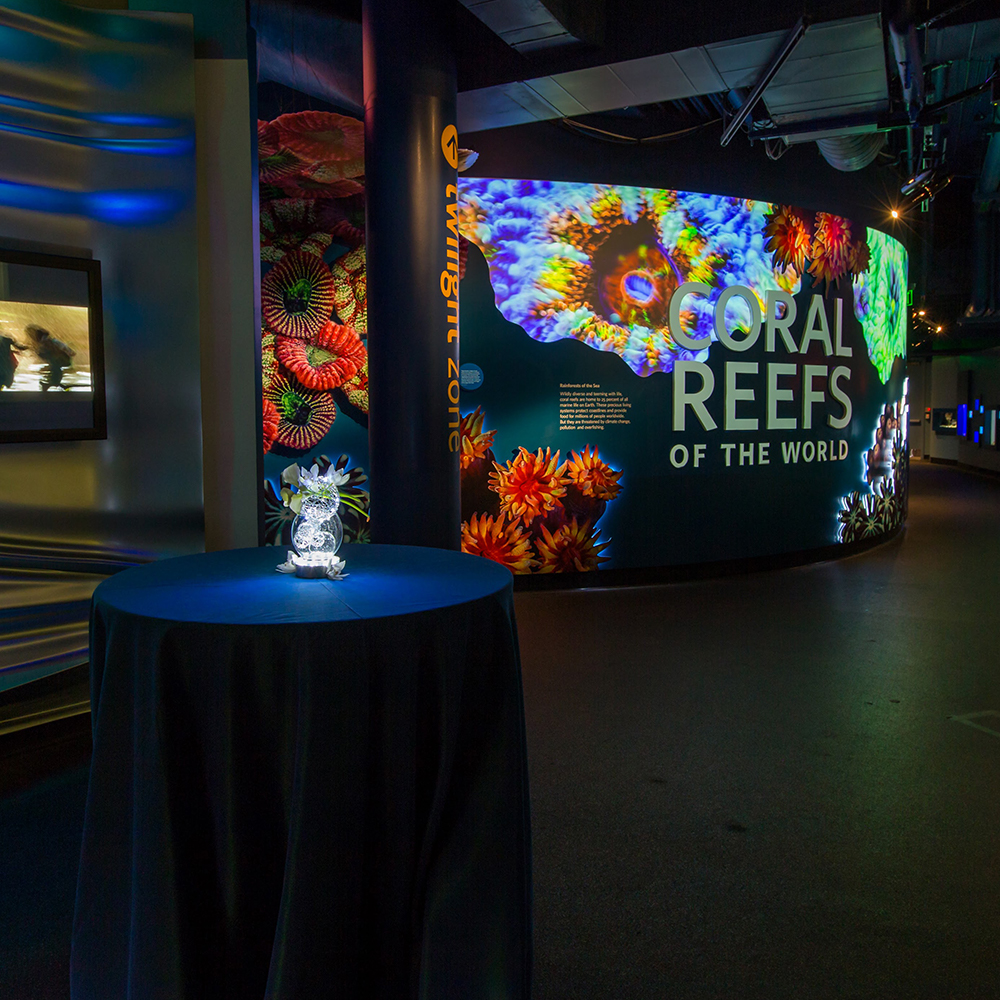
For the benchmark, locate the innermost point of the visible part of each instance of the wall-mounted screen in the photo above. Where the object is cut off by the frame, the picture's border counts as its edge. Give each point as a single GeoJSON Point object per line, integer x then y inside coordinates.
{"type": "Point", "coordinates": [51, 348]}
{"type": "Point", "coordinates": [653, 377]}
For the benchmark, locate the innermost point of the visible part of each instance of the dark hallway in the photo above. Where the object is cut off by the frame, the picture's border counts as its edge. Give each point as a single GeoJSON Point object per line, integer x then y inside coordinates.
{"type": "Point", "coordinates": [751, 787]}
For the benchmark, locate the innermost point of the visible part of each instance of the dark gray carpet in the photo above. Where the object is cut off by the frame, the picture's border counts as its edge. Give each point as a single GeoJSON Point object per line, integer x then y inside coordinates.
{"type": "Point", "coordinates": [752, 787]}
{"type": "Point", "coordinates": [746, 788]}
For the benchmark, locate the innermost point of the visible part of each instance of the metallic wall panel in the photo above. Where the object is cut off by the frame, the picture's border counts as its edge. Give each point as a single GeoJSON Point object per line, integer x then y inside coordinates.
{"type": "Point", "coordinates": [126, 82]}
{"type": "Point", "coordinates": [97, 158]}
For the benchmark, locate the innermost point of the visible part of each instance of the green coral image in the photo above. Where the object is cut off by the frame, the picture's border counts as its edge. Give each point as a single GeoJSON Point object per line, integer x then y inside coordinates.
{"type": "Point", "coordinates": [880, 302]}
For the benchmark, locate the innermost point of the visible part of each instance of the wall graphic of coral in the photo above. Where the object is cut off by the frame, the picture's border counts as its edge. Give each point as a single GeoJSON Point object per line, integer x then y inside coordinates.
{"type": "Point", "coordinates": [314, 350]}
{"type": "Point", "coordinates": [882, 507]}
{"type": "Point", "coordinates": [599, 263]}
{"type": "Point", "coordinates": [879, 302]}
{"type": "Point", "coordinates": [533, 514]}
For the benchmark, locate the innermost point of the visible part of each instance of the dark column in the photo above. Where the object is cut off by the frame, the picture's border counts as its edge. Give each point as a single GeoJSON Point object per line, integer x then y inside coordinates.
{"type": "Point", "coordinates": [412, 264]}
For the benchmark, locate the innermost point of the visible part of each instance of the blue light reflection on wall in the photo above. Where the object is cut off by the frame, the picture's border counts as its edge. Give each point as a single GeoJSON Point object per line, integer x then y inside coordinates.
{"type": "Point", "coordinates": [146, 147]}
{"type": "Point", "coordinates": [963, 420]}
{"type": "Point", "coordinates": [134, 121]}
{"type": "Point", "coordinates": [120, 208]}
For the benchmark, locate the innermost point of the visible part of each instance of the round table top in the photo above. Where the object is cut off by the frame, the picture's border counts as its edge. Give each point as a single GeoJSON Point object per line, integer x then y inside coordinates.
{"type": "Point", "coordinates": [243, 587]}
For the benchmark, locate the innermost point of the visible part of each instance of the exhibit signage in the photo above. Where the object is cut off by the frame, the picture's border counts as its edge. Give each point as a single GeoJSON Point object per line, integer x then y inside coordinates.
{"type": "Point", "coordinates": [667, 377]}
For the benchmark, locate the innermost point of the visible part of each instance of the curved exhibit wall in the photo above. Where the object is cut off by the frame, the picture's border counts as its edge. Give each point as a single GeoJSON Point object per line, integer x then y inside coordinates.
{"type": "Point", "coordinates": [657, 378]}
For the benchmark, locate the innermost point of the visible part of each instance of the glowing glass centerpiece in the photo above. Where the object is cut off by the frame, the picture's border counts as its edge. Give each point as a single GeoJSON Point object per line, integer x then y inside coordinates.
{"type": "Point", "coordinates": [317, 532]}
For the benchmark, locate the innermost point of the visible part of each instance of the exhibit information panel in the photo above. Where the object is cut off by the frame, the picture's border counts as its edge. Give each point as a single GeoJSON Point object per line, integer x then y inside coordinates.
{"type": "Point", "coordinates": [652, 378]}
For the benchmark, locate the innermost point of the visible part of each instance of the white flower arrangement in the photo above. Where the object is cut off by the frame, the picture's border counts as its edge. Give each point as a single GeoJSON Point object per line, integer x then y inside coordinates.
{"type": "Point", "coordinates": [315, 497]}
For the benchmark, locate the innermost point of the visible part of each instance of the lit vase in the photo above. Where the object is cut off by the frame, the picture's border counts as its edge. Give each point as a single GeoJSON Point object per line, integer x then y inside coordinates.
{"type": "Point", "coordinates": [317, 534]}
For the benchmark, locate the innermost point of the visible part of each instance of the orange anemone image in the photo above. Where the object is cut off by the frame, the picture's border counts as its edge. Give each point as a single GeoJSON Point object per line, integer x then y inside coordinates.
{"type": "Point", "coordinates": [570, 548]}
{"type": "Point", "coordinates": [831, 247]}
{"type": "Point", "coordinates": [507, 544]}
{"type": "Point", "coordinates": [789, 237]}
{"type": "Point", "coordinates": [475, 443]}
{"type": "Point", "coordinates": [592, 476]}
{"type": "Point", "coordinates": [530, 484]}
{"type": "Point", "coordinates": [326, 359]}
{"type": "Point", "coordinates": [859, 257]}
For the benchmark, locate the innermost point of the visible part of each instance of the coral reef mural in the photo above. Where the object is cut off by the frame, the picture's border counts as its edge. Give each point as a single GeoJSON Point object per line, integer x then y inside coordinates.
{"type": "Point", "coordinates": [599, 263]}
{"type": "Point", "coordinates": [314, 356]}
{"type": "Point", "coordinates": [533, 513]}
{"type": "Point", "coordinates": [782, 335]}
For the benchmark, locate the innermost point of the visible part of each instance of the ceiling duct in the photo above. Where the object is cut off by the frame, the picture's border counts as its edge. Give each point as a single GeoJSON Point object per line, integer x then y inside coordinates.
{"type": "Point", "coordinates": [531, 25]}
{"type": "Point", "coordinates": [851, 152]}
{"type": "Point", "coordinates": [906, 47]}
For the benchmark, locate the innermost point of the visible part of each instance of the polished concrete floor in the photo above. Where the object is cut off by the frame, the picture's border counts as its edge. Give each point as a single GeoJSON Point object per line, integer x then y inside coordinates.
{"type": "Point", "coordinates": [761, 787]}
{"type": "Point", "coordinates": [755, 787]}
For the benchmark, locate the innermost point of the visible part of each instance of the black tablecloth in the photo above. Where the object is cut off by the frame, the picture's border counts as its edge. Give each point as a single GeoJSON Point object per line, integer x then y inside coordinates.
{"type": "Point", "coordinates": [304, 788]}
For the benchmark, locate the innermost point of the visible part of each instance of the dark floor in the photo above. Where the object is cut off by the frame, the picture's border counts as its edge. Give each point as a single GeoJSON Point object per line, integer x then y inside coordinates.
{"type": "Point", "coordinates": [744, 788]}
{"type": "Point", "coordinates": [43, 786]}
{"type": "Point", "coordinates": [753, 787]}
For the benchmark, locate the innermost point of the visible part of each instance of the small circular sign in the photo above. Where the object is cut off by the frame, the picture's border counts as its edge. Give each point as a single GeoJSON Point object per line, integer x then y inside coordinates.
{"type": "Point", "coordinates": [470, 376]}
{"type": "Point", "coordinates": [449, 145]}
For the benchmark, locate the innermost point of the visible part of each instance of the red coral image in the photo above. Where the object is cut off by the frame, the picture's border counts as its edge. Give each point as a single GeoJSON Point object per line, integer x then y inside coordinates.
{"type": "Point", "coordinates": [351, 290]}
{"type": "Point", "coordinates": [291, 224]}
{"type": "Point", "coordinates": [271, 420]}
{"type": "Point", "coordinates": [297, 295]}
{"type": "Point", "coordinates": [592, 476]}
{"type": "Point", "coordinates": [324, 137]}
{"type": "Point", "coordinates": [304, 415]}
{"type": "Point", "coordinates": [355, 389]}
{"type": "Point", "coordinates": [326, 359]}
{"type": "Point", "coordinates": [475, 442]}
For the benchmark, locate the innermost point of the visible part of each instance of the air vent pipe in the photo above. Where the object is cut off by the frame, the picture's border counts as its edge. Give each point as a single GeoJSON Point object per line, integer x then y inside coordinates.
{"type": "Point", "coordinates": [906, 49]}
{"type": "Point", "coordinates": [851, 152]}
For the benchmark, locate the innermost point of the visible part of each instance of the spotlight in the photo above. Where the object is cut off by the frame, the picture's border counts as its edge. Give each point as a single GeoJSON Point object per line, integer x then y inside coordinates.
{"type": "Point", "coordinates": [894, 213]}
{"type": "Point", "coordinates": [925, 186]}
{"type": "Point", "coordinates": [939, 329]}
{"type": "Point", "coordinates": [921, 312]}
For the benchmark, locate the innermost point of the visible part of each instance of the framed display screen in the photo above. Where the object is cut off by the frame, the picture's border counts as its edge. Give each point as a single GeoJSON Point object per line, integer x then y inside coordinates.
{"type": "Point", "coordinates": [51, 348]}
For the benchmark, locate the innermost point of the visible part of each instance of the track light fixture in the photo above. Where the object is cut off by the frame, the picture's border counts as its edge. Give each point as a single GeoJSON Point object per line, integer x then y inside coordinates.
{"type": "Point", "coordinates": [925, 186]}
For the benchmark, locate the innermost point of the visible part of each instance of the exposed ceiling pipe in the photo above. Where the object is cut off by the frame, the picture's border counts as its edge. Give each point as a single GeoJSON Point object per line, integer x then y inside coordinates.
{"type": "Point", "coordinates": [780, 57]}
{"type": "Point", "coordinates": [906, 49]}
